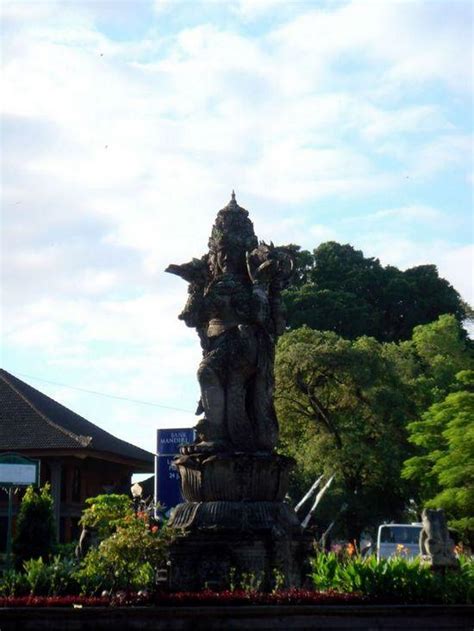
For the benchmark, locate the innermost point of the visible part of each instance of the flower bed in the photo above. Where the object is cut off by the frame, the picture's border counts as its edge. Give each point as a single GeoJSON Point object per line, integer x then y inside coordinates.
{"type": "Point", "coordinates": [206, 597]}
{"type": "Point", "coordinates": [54, 601]}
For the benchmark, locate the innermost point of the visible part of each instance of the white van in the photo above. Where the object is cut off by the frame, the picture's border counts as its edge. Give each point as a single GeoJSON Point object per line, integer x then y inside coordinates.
{"type": "Point", "coordinates": [398, 540]}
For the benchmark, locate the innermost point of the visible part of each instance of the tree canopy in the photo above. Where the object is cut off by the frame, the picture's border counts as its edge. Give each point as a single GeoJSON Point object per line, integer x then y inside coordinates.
{"type": "Point", "coordinates": [342, 410]}
{"type": "Point", "coordinates": [445, 464]}
{"type": "Point", "coordinates": [335, 288]}
{"type": "Point", "coordinates": [344, 407]}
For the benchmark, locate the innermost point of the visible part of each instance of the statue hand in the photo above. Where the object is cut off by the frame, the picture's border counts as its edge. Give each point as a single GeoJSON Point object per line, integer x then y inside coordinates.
{"type": "Point", "coordinates": [265, 272]}
{"type": "Point", "coordinates": [262, 264]}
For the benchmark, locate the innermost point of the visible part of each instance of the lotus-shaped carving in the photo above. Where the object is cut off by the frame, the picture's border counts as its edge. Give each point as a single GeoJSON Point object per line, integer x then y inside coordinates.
{"type": "Point", "coordinates": [234, 477]}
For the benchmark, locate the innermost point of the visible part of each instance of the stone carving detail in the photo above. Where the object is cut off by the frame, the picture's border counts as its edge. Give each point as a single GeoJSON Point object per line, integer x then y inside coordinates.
{"type": "Point", "coordinates": [436, 546]}
{"type": "Point", "coordinates": [237, 477]}
{"type": "Point", "coordinates": [235, 305]}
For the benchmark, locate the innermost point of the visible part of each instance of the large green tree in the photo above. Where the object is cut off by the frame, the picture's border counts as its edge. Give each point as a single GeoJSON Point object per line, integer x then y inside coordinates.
{"type": "Point", "coordinates": [344, 406]}
{"type": "Point", "coordinates": [444, 467]}
{"type": "Point", "coordinates": [337, 288]}
{"type": "Point", "coordinates": [429, 362]}
{"type": "Point", "coordinates": [342, 409]}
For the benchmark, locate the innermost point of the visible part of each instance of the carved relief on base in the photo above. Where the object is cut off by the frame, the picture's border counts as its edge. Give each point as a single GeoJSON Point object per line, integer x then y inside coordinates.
{"type": "Point", "coordinates": [222, 560]}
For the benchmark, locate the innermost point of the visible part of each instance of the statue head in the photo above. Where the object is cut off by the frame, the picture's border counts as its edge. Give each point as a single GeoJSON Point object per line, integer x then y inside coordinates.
{"type": "Point", "coordinates": [231, 238]}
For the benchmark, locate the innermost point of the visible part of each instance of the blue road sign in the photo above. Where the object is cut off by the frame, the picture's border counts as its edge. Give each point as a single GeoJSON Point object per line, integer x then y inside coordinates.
{"type": "Point", "coordinates": [167, 482]}
{"type": "Point", "coordinates": [170, 440]}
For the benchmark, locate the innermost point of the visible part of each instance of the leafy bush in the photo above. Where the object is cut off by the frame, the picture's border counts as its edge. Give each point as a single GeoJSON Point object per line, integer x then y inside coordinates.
{"type": "Point", "coordinates": [127, 559]}
{"type": "Point", "coordinates": [459, 586]}
{"type": "Point", "coordinates": [51, 579]}
{"type": "Point", "coordinates": [396, 579]}
{"type": "Point", "coordinates": [13, 583]}
{"type": "Point", "coordinates": [105, 512]}
{"type": "Point", "coordinates": [132, 550]}
{"type": "Point", "coordinates": [37, 576]}
{"type": "Point", "coordinates": [66, 550]}
{"type": "Point", "coordinates": [35, 528]}
{"type": "Point", "coordinates": [62, 576]}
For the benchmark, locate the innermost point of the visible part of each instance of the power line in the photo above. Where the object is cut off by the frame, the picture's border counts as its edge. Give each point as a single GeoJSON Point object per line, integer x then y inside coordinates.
{"type": "Point", "coordinates": [102, 394]}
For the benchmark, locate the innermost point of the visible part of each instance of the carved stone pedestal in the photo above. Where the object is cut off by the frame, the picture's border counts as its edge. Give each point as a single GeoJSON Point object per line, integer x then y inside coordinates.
{"type": "Point", "coordinates": [235, 528]}
{"type": "Point", "coordinates": [221, 559]}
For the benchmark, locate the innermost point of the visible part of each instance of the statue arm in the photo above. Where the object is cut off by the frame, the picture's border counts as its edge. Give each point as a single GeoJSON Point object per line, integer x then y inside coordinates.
{"type": "Point", "coordinates": [278, 312]}
{"type": "Point", "coordinates": [260, 304]}
{"type": "Point", "coordinates": [270, 269]}
{"type": "Point", "coordinates": [196, 271]}
{"type": "Point", "coordinates": [196, 274]}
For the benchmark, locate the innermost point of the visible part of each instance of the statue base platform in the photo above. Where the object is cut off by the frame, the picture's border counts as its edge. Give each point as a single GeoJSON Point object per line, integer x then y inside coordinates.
{"type": "Point", "coordinates": [235, 529]}
{"type": "Point", "coordinates": [251, 545]}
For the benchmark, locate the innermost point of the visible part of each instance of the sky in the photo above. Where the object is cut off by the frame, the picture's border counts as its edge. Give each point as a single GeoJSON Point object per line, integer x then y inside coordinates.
{"type": "Point", "coordinates": [125, 127]}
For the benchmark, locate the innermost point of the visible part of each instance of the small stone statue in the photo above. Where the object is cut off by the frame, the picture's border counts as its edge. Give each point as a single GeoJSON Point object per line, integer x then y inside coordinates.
{"type": "Point", "coordinates": [436, 546]}
{"type": "Point", "coordinates": [235, 304]}
{"type": "Point", "coordinates": [88, 539]}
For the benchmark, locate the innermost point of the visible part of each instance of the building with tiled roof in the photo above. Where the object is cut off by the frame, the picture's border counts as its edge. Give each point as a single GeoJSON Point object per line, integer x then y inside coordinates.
{"type": "Point", "coordinates": [78, 458]}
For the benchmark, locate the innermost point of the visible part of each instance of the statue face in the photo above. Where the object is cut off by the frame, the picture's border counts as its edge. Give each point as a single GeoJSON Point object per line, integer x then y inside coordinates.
{"type": "Point", "coordinates": [229, 260]}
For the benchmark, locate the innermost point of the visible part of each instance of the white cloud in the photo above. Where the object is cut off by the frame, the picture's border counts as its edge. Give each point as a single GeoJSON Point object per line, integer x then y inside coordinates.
{"type": "Point", "coordinates": [412, 213]}
{"type": "Point", "coordinates": [119, 152]}
{"type": "Point", "coordinates": [414, 119]}
{"type": "Point", "coordinates": [456, 264]}
{"type": "Point", "coordinates": [407, 42]}
{"type": "Point", "coordinates": [443, 153]}
{"type": "Point", "coordinates": [45, 334]}
{"type": "Point", "coordinates": [252, 9]}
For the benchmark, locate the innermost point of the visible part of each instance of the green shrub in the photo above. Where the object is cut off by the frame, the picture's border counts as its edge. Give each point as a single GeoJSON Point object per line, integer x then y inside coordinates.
{"type": "Point", "coordinates": [127, 559]}
{"type": "Point", "coordinates": [62, 576]}
{"type": "Point", "coordinates": [37, 576]}
{"type": "Point", "coordinates": [35, 534]}
{"type": "Point", "coordinates": [105, 512]}
{"type": "Point", "coordinates": [458, 587]}
{"type": "Point", "coordinates": [66, 550]}
{"type": "Point", "coordinates": [132, 550]}
{"type": "Point", "coordinates": [51, 579]}
{"type": "Point", "coordinates": [394, 580]}
{"type": "Point", "coordinates": [13, 583]}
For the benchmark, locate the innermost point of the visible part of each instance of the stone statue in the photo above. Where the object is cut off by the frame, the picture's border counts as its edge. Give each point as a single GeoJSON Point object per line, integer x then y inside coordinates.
{"type": "Point", "coordinates": [88, 539]}
{"type": "Point", "coordinates": [436, 546]}
{"type": "Point", "coordinates": [235, 304]}
{"type": "Point", "coordinates": [234, 517]}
